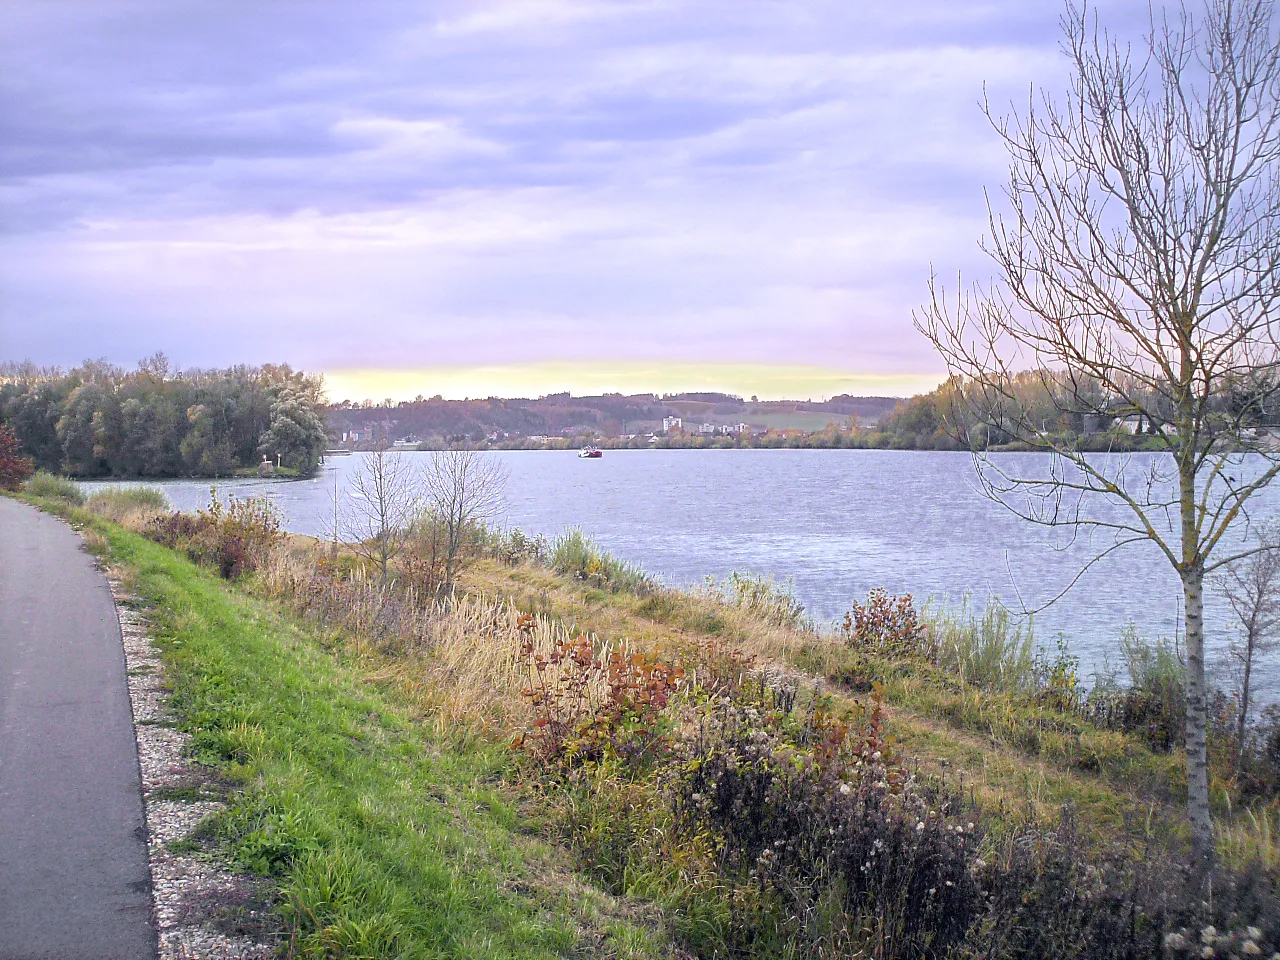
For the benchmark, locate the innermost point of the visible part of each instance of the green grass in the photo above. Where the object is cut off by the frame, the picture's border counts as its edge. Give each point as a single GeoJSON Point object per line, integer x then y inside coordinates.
{"type": "Point", "coordinates": [50, 487]}
{"type": "Point", "coordinates": [385, 841]}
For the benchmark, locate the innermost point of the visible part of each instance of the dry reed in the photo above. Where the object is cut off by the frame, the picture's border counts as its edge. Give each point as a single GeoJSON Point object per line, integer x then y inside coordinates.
{"type": "Point", "coordinates": [461, 653]}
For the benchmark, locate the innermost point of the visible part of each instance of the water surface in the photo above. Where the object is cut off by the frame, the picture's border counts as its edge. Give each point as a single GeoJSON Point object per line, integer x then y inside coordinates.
{"type": "Point", "coordinates": [834, 522]}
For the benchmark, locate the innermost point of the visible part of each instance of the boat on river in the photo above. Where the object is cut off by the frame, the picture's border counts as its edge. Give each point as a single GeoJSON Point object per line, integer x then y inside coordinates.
{"type": "Point", "coordinates": [590, 453]}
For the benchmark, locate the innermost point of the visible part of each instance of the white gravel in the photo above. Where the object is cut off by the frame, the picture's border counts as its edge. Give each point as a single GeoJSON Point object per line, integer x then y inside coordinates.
{"type": "Point", "coordinates": [191, 891]}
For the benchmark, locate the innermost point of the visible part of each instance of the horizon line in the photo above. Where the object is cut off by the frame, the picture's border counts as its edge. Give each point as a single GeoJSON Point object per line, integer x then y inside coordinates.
{"type": "Point", "coordinates": [767, 382]}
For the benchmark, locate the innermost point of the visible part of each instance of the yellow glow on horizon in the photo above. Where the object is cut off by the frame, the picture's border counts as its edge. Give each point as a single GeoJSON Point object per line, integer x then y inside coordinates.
{"type": "Point", "coordinates": [584, 378]}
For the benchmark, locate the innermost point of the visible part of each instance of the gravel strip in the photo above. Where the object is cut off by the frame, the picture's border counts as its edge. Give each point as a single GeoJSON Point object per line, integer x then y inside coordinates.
{"type": "Point", "coordinates": [200, 906]}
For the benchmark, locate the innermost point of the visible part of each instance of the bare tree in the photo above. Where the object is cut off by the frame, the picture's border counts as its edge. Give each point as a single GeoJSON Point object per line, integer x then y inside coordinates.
{"type": "Point", "coordinates": [464, 488]}
{"type": "Point", "coordinates": [1251, 586]}
{"type": "Point", "coordinates": [383, 499]}
{"type": "Point", "coordinates": [1137, 267]}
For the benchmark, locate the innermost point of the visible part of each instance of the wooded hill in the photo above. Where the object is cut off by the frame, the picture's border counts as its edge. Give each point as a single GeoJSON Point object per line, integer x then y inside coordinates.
{"type": "Point", "coordinates": [608, 415]}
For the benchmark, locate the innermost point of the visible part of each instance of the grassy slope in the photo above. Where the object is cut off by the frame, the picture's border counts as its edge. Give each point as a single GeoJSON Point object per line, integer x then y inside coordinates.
{"type": "Point", "coordinates": [386, 841]}
{"type": "Point", "coordinates": [974, 741]}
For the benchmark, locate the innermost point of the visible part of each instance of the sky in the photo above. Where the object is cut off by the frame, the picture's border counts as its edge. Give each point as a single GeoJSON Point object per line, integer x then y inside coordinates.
{"type": "Point", "coordinates": [506, 198]}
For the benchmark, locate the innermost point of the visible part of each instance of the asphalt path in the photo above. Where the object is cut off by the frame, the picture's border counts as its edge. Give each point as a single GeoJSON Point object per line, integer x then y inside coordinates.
{"type": "Point", "coordinates": [74, 879]}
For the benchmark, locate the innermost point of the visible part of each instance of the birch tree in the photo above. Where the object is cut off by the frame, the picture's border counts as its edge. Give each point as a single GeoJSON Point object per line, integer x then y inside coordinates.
{"type": "Point", "coordinates": [1136, 256]}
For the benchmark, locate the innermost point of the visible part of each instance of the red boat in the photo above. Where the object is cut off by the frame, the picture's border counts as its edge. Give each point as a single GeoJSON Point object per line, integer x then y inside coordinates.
{"type": "Point", "coordinates": [590, 453]}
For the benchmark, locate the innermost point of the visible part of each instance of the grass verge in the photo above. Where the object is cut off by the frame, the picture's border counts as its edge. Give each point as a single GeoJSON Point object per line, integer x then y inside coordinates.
{"type": "Point", "coordinates": [385, 840]}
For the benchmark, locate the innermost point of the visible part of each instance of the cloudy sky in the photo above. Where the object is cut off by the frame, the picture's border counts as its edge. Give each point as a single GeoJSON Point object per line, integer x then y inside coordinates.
{"type": "Point", "coordinates": [504, 197]}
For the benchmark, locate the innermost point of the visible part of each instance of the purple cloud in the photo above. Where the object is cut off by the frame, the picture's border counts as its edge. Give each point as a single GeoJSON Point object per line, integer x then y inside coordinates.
{"type": "Point", "coordinates": [397, 185]}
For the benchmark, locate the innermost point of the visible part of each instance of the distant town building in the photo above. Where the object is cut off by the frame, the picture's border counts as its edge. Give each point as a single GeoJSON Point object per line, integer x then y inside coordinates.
{"type": "Point", "coordinates": [671, 423]}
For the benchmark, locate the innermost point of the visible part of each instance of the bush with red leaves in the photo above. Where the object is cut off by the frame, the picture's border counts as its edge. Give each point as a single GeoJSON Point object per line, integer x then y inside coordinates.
{"type": "Point", "coordinates": [14, 468]}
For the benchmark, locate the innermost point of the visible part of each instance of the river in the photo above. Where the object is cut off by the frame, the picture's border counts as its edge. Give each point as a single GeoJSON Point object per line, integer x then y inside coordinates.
{"type": "Point", "coordinates": [834, 522]}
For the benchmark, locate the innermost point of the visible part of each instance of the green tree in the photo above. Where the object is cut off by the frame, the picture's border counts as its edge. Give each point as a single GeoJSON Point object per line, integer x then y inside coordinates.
{"type": "Point", "coordinates": [81, 455]}
{"type": "Point", "coordinates": [296, 434]}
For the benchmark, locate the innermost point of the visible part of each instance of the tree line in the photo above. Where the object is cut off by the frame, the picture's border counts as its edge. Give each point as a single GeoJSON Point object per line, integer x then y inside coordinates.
{"type": "Point", "coordinates": [99, 420]}
{"type": "Point", "coordinates": [1029, 408]}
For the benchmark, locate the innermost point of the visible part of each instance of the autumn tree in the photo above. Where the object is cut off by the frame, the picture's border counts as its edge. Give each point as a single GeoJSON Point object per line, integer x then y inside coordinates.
{"type": "Point", "coordinates": [14, 467]}
{"type": "Point", "coordinates": [1137, 254]}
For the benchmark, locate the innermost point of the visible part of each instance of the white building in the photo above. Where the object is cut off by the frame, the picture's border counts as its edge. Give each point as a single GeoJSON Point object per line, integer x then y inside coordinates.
{"type": "Point", "coordinates": [670, 423]}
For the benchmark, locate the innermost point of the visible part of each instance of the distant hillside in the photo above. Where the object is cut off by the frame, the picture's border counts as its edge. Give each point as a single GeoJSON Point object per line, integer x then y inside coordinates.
{"type": "Point", "coordinates": [608, 415]}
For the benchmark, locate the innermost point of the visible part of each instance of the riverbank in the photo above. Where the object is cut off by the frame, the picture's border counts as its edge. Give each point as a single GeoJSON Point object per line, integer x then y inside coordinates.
{"type": "Point", "coordinates": [834, 438]}
{"type": "Point", "coordinates": [382, 837]}
{"type": "Point", "coordinates": [321, 693]}
{"type": "Point", "coordinates": [834, 523]}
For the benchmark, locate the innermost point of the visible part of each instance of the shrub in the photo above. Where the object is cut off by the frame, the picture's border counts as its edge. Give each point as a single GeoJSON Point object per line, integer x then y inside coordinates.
{"type": "Point", "coordinates": [592, 706]}
{"type": "Point", "coordinates": [815, 813]}
{"type": "Point", "coordinates": [515, 547]}
{"type": "Point", "coordinates": [1258, 763]}
{"type": "Point", "coordinates": [1057, 679]}
{"type": "Point", "coordinates": [51, 487]}
{"type": "Point", "coordinates": [888, 626]}
{"type": "Point", "coordinates": [235, 537]}
{"type": "Point", "coordinates": [1152, 705]}
{"type": "Point", "coordinates": [14, 468]}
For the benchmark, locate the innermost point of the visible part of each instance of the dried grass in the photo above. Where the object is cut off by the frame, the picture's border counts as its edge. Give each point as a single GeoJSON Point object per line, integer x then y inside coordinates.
{"type": "Point", "coordinates": [131, 507]}
{"type": "Point", "coordinates": [460, 654]}
{"type": "Point", "coordinates": [1252, 836]}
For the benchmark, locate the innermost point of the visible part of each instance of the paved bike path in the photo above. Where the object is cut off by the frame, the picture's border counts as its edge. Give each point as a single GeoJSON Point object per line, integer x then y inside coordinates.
{"type": "Point", "coordinates": [74, 877]}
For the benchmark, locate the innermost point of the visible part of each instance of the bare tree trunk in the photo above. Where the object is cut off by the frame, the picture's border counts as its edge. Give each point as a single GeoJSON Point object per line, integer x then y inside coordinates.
{"type": "Point", "coordinates": [1244, 697]}
{"type": "Point", "coordinates": [1192, 573]}
{"type": "Point", "coordinates": [1197, 721]}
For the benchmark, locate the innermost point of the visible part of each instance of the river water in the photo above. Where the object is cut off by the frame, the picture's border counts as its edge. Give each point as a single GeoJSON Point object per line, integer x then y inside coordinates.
{"type": "Point", "coordinates": [834, 522]}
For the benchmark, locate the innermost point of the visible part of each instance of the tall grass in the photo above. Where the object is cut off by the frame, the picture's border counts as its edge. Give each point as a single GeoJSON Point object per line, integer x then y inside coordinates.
{"type": "Point", "coordinates": [131, 507]}
{"type": "Point", "coordinates": [986, 648]}
{"type": "Point", "coordinates": [463, 651]}
{"type": "Point", "coordinates": [576, 555]}
{"type": "Point", "coordinates": [762, 597]}
{"type": "Point", "coordinates": [51, 487]}
{"type": "Point", "coordinates": [384, 840]}
{"type": "Point", "coordinates": [1251, 838]}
